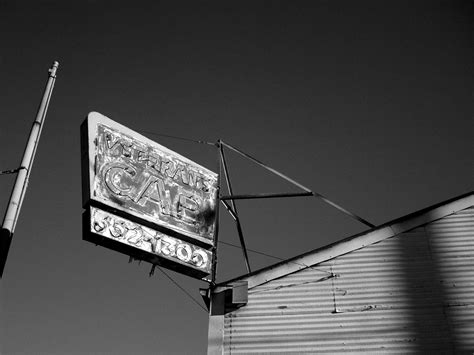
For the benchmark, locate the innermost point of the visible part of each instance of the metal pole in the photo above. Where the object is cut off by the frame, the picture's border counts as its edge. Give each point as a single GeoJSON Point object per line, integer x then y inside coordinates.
{"type": "Point", "coordinates": [234, 207]}
{"type": "Point", "coordinates": [21, 182]}
{"type": "Point", "coordinates": [216, 231]}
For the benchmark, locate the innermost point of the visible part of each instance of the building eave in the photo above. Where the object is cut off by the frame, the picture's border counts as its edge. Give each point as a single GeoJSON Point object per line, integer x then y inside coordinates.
{"type": "Point", "coordinates": [355, 242]}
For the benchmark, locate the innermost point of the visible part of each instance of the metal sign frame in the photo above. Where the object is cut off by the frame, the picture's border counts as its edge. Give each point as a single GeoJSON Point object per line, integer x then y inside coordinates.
{"type": "Point", "coordinates": [152, 188]}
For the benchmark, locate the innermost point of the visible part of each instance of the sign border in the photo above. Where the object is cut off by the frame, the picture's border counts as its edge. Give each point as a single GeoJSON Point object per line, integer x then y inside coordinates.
{"type": "Point", "coordinates": [88, 143]}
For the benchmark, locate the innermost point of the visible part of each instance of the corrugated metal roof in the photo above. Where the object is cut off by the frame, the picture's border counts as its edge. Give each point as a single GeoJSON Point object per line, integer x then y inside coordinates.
{"type": "Point", "coordinates": [358, 241]}
{"type": "Point", "coordinates": [405, 287]}
{"type": "Point", "coordinates": [412, 293]}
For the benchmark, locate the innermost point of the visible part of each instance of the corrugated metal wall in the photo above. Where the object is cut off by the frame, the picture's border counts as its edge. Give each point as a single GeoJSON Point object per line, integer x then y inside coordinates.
{"type": "Point", "coordinates": [412, 293]}
{"type": "Point", "coordinates": [452, 243]}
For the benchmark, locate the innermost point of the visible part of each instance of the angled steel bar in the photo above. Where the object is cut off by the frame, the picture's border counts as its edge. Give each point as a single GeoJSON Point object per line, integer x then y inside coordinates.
{"type": "Point", "coordinates": [216, 230]}
{"type": "Point", "coordinates": [265, 195]}
{"type": "Point", "coordinates": [308, 191]}
{"type": "Point", "coordinates": [283, 176]}
{"type": "Point", "coordinates": [229, 209]}
{"type": "Point", "coordinates": [360, 219]}
{"type": "Point", "coordinates": [234, 208]}
{"type": "Point", "coordinates": [298, 194]}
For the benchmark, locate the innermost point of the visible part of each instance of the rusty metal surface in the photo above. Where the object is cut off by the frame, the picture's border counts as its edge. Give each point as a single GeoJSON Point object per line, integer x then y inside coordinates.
{"type": "Point", "coordinates": [412, 293]}
{"type": "Point", "coordinates": [133, 174]}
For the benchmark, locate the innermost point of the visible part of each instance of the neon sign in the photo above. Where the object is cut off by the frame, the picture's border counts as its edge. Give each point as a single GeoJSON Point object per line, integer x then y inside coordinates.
{"type": "Point", "coordinates": [127, 174]}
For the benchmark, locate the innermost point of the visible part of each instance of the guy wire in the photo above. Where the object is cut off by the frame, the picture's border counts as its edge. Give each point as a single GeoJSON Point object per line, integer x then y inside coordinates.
{"type": "Point", "coordinates": [181, 138]}
{"type": "Point", "coordinates": [273, 256]}
{"type": "Point", "coordinates": [182, 289]}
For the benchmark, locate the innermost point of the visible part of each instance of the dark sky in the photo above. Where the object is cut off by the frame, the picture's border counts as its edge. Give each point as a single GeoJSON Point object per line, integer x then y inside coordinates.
{"type": "Point", "coordinates": [369, 103]}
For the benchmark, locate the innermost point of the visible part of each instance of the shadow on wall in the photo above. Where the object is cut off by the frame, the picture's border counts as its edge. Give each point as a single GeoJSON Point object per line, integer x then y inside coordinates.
{"type": "Point", "coordinates": [437, 261]}
{"type": "Point", "coordinates": [451, 241]}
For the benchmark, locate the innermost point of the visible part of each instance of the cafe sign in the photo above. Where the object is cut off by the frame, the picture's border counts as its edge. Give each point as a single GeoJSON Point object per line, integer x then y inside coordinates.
{"type": "Point", "coordinates": [143, 199]}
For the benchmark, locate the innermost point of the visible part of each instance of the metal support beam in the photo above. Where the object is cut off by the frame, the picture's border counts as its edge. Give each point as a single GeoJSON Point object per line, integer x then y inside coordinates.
{"type": "Point", "coordinates": [229, 209]}
{"type": "Point", "coordinates": [271, 195]}
{"type": "Point", "coordinates": [216, 230]}
{"type": "Point", "coordinates": [283, 176]}
{"type": "Point", "coordinates": [298, 194]}
{"type": "Point", "coordinates": [234, 208]}
{"type": "Point", "coordinates": [308, 191]}
{"type": "Point", "coordinates": [343, 210]}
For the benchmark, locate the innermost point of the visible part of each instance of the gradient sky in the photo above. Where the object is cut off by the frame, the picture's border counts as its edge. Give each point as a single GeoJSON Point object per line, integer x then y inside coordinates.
{"type": "Point", "coordinates": [369, 103]}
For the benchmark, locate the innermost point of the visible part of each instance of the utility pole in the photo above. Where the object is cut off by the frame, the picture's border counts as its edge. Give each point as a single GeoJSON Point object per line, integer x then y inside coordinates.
{"type": "Point", "coordinates": [23, 172]}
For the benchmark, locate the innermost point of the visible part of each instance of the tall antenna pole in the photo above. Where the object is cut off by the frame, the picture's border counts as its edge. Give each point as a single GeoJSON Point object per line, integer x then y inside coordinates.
{"type": "Point", "coordinates": [23, 172]}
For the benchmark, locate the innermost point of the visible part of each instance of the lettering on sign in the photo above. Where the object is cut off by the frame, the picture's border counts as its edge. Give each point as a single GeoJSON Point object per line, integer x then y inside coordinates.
{"type": "Point", "coordinates": [148, 240]}
{"type": "Point", "coordinates": [140, 177]}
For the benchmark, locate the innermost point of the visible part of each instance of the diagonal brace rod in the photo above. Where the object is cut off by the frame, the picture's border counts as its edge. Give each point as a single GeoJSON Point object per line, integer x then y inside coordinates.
{"type": "Point", "coordinates": [258, 162]}
{"type": "Point", "coordinates": [360, 219]}
{"type": "Point", "coordinates": [234, 207]}
{"type": "Point", "coordinates": [229, 209]}
{"type": "Point", "coordinates": [308, 191]}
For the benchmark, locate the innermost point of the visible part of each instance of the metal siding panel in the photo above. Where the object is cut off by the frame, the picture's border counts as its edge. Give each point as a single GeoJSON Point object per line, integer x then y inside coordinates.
{"type": "Point", "coordinates": [407, 294]}
{"type": "Point", "coordinates": [362, 240]}
{"type": "Point", "coordinates": [452, 244]}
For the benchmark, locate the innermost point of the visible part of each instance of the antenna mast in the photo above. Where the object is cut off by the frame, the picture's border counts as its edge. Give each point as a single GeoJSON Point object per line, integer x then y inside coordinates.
{"type": "Point", "coordinates": [23, 172]}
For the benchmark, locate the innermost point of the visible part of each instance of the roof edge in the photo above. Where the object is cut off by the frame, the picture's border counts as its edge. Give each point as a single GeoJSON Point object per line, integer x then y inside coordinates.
{"type": "Point", "coordinates": [357, 241]}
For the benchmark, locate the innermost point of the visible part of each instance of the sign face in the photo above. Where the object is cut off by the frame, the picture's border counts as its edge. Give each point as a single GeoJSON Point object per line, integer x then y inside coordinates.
{"type": "Point", "coordinates": [140, 180]}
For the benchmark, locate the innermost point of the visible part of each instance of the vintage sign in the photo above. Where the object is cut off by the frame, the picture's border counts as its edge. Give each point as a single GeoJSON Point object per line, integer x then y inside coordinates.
{"type": "Point", "coordinates": [133, 177]}
{"type": "Point", "coordinates": [145, 243]}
